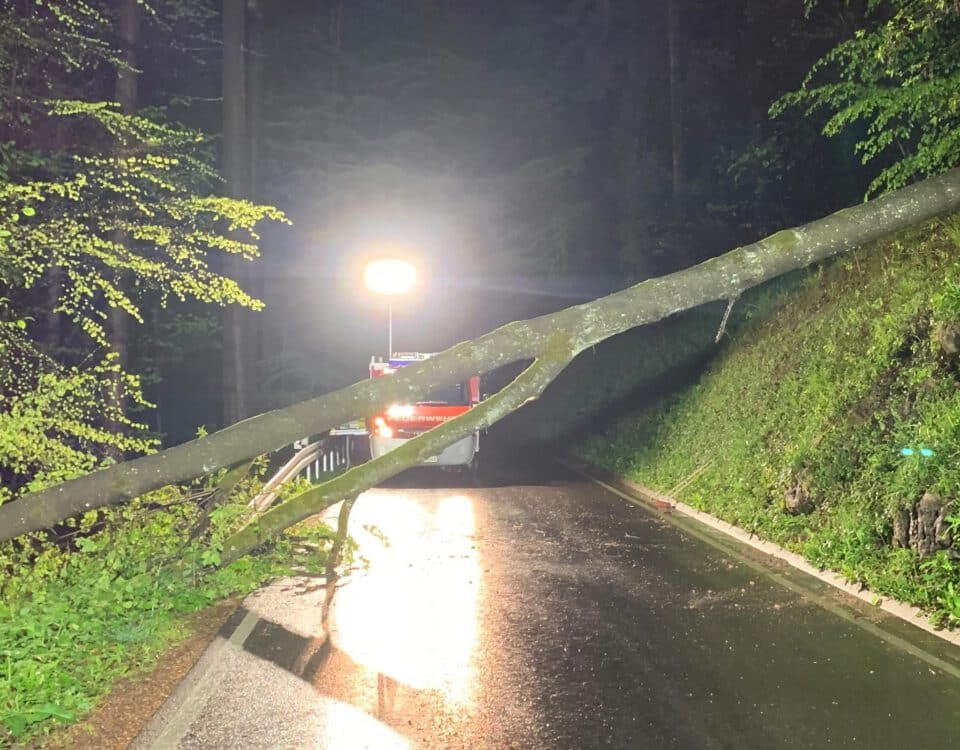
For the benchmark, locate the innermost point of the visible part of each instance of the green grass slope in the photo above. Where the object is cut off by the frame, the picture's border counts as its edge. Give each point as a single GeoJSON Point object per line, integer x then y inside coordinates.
{"type": "Point", "coordinates": [830, 421]}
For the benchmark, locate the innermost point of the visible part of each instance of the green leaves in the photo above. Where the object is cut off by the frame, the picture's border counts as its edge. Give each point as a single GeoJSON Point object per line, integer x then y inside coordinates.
{"type": "Point", "coordinates": [210, 558]}
{"type": "Point", "coordinates": [149, 199]}
{"type": "Point", "coordinates": [99, 211]}
{"type": "Point", "coordinates": [71, 623]}
{"type": "Point", "coordinates": [896, 84]}
{"type": "Point", "coordinates": [118, 212]}
{"type": "Point", "coordinates": [52, 417]}
{"type": "Point", "coordinates": [17, 722]}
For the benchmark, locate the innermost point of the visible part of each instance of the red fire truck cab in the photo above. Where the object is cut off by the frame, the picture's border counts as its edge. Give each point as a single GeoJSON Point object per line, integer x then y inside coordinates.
{"type": "Point", "coordinates": [400, 422]}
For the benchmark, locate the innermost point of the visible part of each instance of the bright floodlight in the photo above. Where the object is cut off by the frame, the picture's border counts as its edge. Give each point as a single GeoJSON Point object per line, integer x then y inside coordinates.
{"type": "Point", "coordinates": [390, 276]}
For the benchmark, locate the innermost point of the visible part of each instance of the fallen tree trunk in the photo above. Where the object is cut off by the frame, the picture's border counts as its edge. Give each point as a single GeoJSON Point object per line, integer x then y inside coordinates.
{"type": "Point", "coordinates": [724, 277]}
{"type": "Point", "coordinates": [527, 386]}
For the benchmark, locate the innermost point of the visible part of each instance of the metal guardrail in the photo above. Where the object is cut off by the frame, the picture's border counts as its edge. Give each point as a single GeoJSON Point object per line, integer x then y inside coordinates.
{"type": "Point", "coordinates": [325, 456]}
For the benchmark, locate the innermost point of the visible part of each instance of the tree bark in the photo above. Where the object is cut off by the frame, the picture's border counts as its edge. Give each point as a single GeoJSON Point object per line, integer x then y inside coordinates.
{"type": "Point", "coordinates": [721, 278]}
{"type": "Point", "coordinates": [252, 324]}
{"type": "Point", "coordinates": [676, 116]}
{"type": "Point", "coordinates": [254, 93]}
{"type": "Point", "coordinates": [527, 386]}
{"type": "Point", "coordinates": [236, 172]}
{"type": "Point", "coordinates": [126, 92]}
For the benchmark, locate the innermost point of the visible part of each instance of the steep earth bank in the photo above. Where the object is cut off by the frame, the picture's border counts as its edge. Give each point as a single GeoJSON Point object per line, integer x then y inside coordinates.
{"type": "Point", "coordinates": [828, 421]}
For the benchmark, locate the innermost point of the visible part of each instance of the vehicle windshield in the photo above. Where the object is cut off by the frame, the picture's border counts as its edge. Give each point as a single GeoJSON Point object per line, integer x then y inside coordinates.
{"type": "Point", "coordinates": [452, 394]}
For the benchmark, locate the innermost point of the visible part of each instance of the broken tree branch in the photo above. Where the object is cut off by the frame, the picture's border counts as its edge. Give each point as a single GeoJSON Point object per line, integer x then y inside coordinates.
{"type": "Point", "coordinates": [726, 316]}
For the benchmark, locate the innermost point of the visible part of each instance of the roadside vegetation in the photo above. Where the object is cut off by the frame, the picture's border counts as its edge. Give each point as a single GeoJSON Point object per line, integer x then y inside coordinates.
{"type": "Point", "coordinates": [830, 421]}
{"type": "Point", "coordinates": [112, 245]}
{"type": "Point", "coordinates": [109, 596]}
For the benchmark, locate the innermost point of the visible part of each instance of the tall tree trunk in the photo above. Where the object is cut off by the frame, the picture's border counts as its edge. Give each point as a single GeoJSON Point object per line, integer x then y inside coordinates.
{"type": "Point", "coordinates": [254, 93]}
{"type": "Point", "coordinates": [126, 93]}
{"type": "Point", "coordinates": [676, 111]}
{"type": "Point", "coordinates": [280, 342]}
{"type": "Point", "coordinates": [55, 274]}
{"type": "Point", "coordinates": [552, 340]}
{"type": "Point", "coordinates": [53, 318]}
{"type": "Point", "coordinates": [236, 172]}
{"type": "Point", "coordinates": [253, 328]}
{"type": "Point", "coordinates": [635, 140]}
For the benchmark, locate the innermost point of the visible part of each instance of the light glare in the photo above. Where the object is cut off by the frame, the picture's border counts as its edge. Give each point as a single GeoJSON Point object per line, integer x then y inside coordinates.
{"type": "Point", "coordinates": [399, 411]}
{"type": "Point", "coordinates": [414, 615]}
{"type": "Point", "coordinates": [390, 276]}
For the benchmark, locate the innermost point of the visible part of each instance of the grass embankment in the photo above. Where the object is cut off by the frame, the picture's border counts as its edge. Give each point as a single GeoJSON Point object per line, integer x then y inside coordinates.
{"type": "Point", "coordinates": [830, 421]}
{"type": "Point", "coordinates": [78, 615]}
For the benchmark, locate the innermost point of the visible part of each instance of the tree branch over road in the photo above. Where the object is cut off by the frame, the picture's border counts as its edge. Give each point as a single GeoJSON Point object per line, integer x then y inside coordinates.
{"type": "Point", "coordinates": [527, 386]}
{"type": "Point", "coordinates": [551, 340]}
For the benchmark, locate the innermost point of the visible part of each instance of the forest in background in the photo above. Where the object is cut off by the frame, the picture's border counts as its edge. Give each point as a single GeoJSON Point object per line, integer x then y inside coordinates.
{"type": "Point", "coordinates": [531, 154]}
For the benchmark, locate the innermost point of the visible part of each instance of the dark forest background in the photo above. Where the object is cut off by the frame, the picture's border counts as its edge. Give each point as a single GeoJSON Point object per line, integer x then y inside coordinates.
{"type": "Point", "coordinates": [530, 154]}
{"type": "Point", "coordinates": [526, 155]}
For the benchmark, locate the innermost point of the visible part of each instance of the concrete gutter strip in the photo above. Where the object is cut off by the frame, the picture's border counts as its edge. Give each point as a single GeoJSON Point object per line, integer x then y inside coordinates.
{"type": "Point", "coordinates": [186, 704]}
{"type": "Point", "coordinates": [902, 610]}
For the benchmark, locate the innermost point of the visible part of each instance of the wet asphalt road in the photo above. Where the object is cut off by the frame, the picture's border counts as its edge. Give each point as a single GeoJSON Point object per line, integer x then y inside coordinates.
{"type": "Point", "coordinates": [542, 611]}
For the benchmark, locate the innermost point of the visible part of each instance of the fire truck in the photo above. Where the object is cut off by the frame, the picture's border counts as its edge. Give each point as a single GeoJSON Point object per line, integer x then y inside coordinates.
{"type": "Point", "coordinates": [400, 422]}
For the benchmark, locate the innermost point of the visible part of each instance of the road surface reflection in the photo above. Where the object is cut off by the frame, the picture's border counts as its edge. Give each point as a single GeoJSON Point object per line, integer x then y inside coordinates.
{"type": "Point", "coordinates": [412, 616]}
{"type": "Point", "coordinates": [345, 727]}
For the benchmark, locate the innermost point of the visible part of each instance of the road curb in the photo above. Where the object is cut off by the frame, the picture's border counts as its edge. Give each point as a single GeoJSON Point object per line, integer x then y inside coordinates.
{"type": "Point", "coordinates": [660, 502]}
{"type": "Point", "coordinates": [172, 721]}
